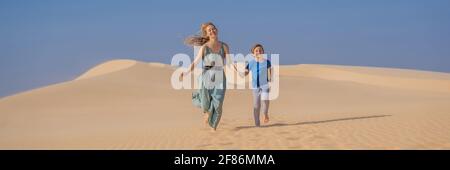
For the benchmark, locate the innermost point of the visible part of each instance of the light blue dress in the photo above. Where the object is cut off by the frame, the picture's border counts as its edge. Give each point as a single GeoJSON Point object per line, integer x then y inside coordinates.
{"type": "Point", "coordinates": [212, 83]}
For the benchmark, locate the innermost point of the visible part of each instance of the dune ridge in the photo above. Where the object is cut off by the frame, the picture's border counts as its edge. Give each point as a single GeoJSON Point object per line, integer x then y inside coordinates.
{"type": "Point", "coordinates": [107, 67]}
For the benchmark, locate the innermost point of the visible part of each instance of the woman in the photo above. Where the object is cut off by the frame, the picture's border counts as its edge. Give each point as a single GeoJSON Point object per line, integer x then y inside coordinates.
{"type": "Point", "coordinates": [212, 81]}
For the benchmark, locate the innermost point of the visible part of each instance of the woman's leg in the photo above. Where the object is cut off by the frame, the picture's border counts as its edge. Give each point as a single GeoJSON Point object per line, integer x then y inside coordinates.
{"type": "Point", "coordinates": [201, 99]}
{"type": "Point", "coordinates": [205, 103]}
{"type": "Point", "coordinates": [215, 111]}
{"type": "Point", "coordinates": [217, 98]}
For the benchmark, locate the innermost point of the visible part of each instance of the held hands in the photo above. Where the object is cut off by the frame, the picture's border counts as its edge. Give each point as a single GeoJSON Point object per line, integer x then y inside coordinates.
{"type": "Point", "coordinates": [239, 73]}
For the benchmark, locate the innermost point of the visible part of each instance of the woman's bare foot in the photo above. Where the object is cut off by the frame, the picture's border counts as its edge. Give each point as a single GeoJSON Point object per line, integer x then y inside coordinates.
{"type": "Point", "coordinates": [205, 117]}
{"type": "Point", "coordinates": [266, 119]}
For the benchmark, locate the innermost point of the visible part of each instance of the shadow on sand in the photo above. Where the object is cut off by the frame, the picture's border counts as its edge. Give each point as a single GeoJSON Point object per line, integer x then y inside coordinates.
{"type": "Point", "coordinates": [310, 122]}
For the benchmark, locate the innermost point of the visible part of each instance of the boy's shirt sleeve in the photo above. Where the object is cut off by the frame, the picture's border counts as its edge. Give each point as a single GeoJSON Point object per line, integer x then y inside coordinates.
{"type": "Point", "coordinates": [269, 64]}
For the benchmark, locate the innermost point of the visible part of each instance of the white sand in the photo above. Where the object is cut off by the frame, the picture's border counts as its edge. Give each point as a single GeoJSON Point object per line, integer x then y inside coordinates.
{"type": "Point", "coordinates": [126, 104]}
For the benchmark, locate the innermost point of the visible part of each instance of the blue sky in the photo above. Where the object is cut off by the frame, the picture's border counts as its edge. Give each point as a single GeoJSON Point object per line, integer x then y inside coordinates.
{"type": "Point", "coordinates": [49, 41]}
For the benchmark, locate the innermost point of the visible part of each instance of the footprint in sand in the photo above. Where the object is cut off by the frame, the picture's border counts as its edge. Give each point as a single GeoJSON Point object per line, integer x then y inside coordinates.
{"type": "Point", "coordinates": [295, 147]}
{"type": "Point", "coordinates": [323, 141]}
{"type": "Point", "coordinates": [225, 144]}
{"type": "Point", "coordinates": [203, 145]}
{"type": "Point", "coordinates": [283, 132]}
{"type": "Point", "coordinates": [237, 135]}
{"type": "Point", "coordinates": [292, 138]}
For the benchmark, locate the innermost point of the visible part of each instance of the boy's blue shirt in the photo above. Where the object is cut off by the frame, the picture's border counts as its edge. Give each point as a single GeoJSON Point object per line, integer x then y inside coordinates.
{"type": "Point", "coordinates": [259, 72]}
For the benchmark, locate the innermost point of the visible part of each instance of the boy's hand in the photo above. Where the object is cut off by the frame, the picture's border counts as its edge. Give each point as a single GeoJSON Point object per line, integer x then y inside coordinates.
{"type": "Point", "coordinates": [241, 74]}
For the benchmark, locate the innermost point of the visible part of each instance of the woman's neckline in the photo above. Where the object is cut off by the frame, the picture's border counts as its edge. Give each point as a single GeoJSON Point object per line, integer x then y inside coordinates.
{"type": "Point", "coordinates": [212, 50]}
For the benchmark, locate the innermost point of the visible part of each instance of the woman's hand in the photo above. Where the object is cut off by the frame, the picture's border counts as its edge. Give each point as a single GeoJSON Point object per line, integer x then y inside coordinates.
{"type": "Point", "coordinates": [235, 67]}
{"type": "Point", "coordinates": [181, 76]}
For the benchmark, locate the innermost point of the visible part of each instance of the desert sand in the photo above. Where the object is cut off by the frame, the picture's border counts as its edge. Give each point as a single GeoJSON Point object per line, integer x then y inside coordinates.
{"type": "Point", "coordinates": [126, 104]}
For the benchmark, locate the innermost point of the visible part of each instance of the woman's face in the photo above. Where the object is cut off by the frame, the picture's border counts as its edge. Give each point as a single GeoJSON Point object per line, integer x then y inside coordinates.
{"type": "Point", "coordinates": [258, 51]}
{"type": "Point", "coordinates": [211, 31]}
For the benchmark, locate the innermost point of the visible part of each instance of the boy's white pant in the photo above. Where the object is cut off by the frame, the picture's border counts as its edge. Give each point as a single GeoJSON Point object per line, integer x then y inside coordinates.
{"type": "Point", "coordinates": [260, 94]}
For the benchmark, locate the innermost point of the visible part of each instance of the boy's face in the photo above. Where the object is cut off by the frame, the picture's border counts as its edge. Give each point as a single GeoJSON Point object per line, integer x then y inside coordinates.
{"type": "Point", "coordinates": [258, 51]}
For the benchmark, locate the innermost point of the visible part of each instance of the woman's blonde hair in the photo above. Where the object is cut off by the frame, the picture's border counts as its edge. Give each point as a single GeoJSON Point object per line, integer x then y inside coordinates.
{"type": "Point", "coordinates": [199, 40]}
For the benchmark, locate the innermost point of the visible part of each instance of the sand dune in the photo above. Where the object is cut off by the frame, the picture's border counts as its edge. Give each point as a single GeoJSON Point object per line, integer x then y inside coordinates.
{"type": "Point", "coordinates": [414, 80]}
{"type": "Point", "coordinates": [126, 104]}
{"type": "Point", "coordinates": [107, 67]}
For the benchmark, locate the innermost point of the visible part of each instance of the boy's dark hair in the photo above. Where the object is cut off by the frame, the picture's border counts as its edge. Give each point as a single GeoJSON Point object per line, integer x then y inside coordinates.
{"type": "Point", "coordinates": [256, 45]}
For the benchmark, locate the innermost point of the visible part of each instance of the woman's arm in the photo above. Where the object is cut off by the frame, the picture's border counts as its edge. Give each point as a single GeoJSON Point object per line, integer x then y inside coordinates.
{"type": "Point", "coordinates": [197, 59]}
{"type": "Point", "coordinates": [227, 51]}
{"type": "Point", "coordinates": [228, 59]}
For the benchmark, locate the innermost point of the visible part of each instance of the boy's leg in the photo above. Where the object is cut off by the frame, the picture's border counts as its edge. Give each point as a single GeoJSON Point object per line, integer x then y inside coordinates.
{"type": "Point", "coordinates": [265, 103]}
{"type": "Point", "coordinates": [265, 108]}
{"type": "Point", "coordinates": [256, 105]}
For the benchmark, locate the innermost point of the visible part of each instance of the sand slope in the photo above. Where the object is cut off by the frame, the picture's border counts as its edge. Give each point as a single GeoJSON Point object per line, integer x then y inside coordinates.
{"type": "Point", "coordinates": [126, 104]}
